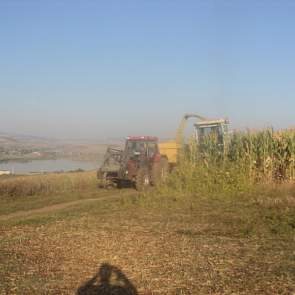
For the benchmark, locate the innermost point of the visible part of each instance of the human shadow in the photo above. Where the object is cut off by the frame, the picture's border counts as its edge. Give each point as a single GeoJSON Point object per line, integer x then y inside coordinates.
{"type": "Point", "coordinates": [109, 280]}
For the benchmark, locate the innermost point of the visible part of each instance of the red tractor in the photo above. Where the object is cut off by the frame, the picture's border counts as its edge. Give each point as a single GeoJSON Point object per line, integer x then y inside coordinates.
{"type": "Point", "coordinates": [140, 164]}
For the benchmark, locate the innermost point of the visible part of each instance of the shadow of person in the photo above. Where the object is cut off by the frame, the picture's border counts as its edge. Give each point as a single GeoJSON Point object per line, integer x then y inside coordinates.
{"type": "Point", "coordinates": [109, 280]}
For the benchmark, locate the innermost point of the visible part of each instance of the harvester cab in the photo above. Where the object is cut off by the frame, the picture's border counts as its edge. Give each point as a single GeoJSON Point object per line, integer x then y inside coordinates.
{"type": "Point", "coordinates": [217, 129]}
{"type": "Point", "coordinates": [203, 129]}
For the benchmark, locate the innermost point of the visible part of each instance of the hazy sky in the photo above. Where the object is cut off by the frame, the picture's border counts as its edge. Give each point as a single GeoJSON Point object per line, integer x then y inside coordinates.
{"type": "Point", "coordinates": [98, 69]}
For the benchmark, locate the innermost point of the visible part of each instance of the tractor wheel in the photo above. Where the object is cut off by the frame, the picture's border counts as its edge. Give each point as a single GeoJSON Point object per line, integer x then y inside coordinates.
{"type": "Point", "coordinates": [120, 184]}
{"type": "Point", "coordinates": [160, 171]}
{"type": "Point", "coordinates": [142, 180]}
{"type": "Point", "coordinates": [104, 182]}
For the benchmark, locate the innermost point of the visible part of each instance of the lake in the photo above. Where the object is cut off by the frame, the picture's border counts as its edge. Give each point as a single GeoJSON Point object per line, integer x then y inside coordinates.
{"type": "Point", "coordinates": [47, 166]}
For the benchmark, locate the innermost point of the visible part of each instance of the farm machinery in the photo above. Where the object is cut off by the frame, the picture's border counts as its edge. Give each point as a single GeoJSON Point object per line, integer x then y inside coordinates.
{"type": "Point", "coordinates": [202, 128]}
{"type": "Point", "coordinates": [144, 161]}
{"type": "Point", "coordinates": [139, 164]}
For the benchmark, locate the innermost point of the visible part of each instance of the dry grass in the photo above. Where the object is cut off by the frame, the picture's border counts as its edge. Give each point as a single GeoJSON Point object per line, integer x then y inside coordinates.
{"type": "Point", "coordinates": [21, 186]}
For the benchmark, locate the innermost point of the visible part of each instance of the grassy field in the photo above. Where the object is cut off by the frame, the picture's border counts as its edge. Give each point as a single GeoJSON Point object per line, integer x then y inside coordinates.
{"type": "Point", "coordinates": [153, 243]}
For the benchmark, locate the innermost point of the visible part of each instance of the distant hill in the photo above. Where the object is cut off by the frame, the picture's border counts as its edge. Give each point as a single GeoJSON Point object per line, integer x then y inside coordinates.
{"type": "Point", "coordinates": [27, 147]}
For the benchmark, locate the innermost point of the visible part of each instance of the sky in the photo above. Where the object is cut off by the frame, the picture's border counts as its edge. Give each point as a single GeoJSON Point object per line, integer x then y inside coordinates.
{"type": "Point", "coordinates": [108, 69]}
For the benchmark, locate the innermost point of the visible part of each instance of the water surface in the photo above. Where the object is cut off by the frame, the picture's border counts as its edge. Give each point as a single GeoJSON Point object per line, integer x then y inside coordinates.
{"type": "Point", "coordinates": [47, 166]}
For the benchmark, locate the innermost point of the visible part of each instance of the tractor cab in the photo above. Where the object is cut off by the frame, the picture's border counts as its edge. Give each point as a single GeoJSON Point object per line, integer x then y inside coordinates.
{"type": "Point", "coordinates": [141, 146]}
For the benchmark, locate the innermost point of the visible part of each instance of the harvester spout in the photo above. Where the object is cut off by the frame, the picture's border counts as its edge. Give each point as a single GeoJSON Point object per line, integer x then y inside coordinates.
{"type": "Point", "coordinates": [182, 125]}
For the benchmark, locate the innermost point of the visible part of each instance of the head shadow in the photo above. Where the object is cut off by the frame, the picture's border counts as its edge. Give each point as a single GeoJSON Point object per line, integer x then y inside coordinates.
{"type": "Point", "coordinates": [109, 280]}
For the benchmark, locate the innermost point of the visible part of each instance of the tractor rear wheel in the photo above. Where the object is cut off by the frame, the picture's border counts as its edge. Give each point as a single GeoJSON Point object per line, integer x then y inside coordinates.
{"type": "Point", "coordinates": [142, 180]}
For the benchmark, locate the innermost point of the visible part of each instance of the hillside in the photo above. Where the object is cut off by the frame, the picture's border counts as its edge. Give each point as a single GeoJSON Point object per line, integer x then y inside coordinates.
{"type": "Point", "coordinates": [20, 147]}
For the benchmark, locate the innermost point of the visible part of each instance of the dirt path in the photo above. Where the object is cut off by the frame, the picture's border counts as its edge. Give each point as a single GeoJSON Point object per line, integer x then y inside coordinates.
{"type": "Point", "coordinates": [23, 214]}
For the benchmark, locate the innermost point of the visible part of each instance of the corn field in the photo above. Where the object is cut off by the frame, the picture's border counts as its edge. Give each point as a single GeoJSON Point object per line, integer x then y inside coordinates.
{"type": "Point", "coordinates": [245, 159]}
{"type": "Point", "coordinates": [263, 155]}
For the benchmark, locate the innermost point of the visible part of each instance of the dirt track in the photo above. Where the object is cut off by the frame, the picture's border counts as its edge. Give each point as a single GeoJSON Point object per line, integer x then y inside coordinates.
{"type": "Point", "coordinates": [23, 214]}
